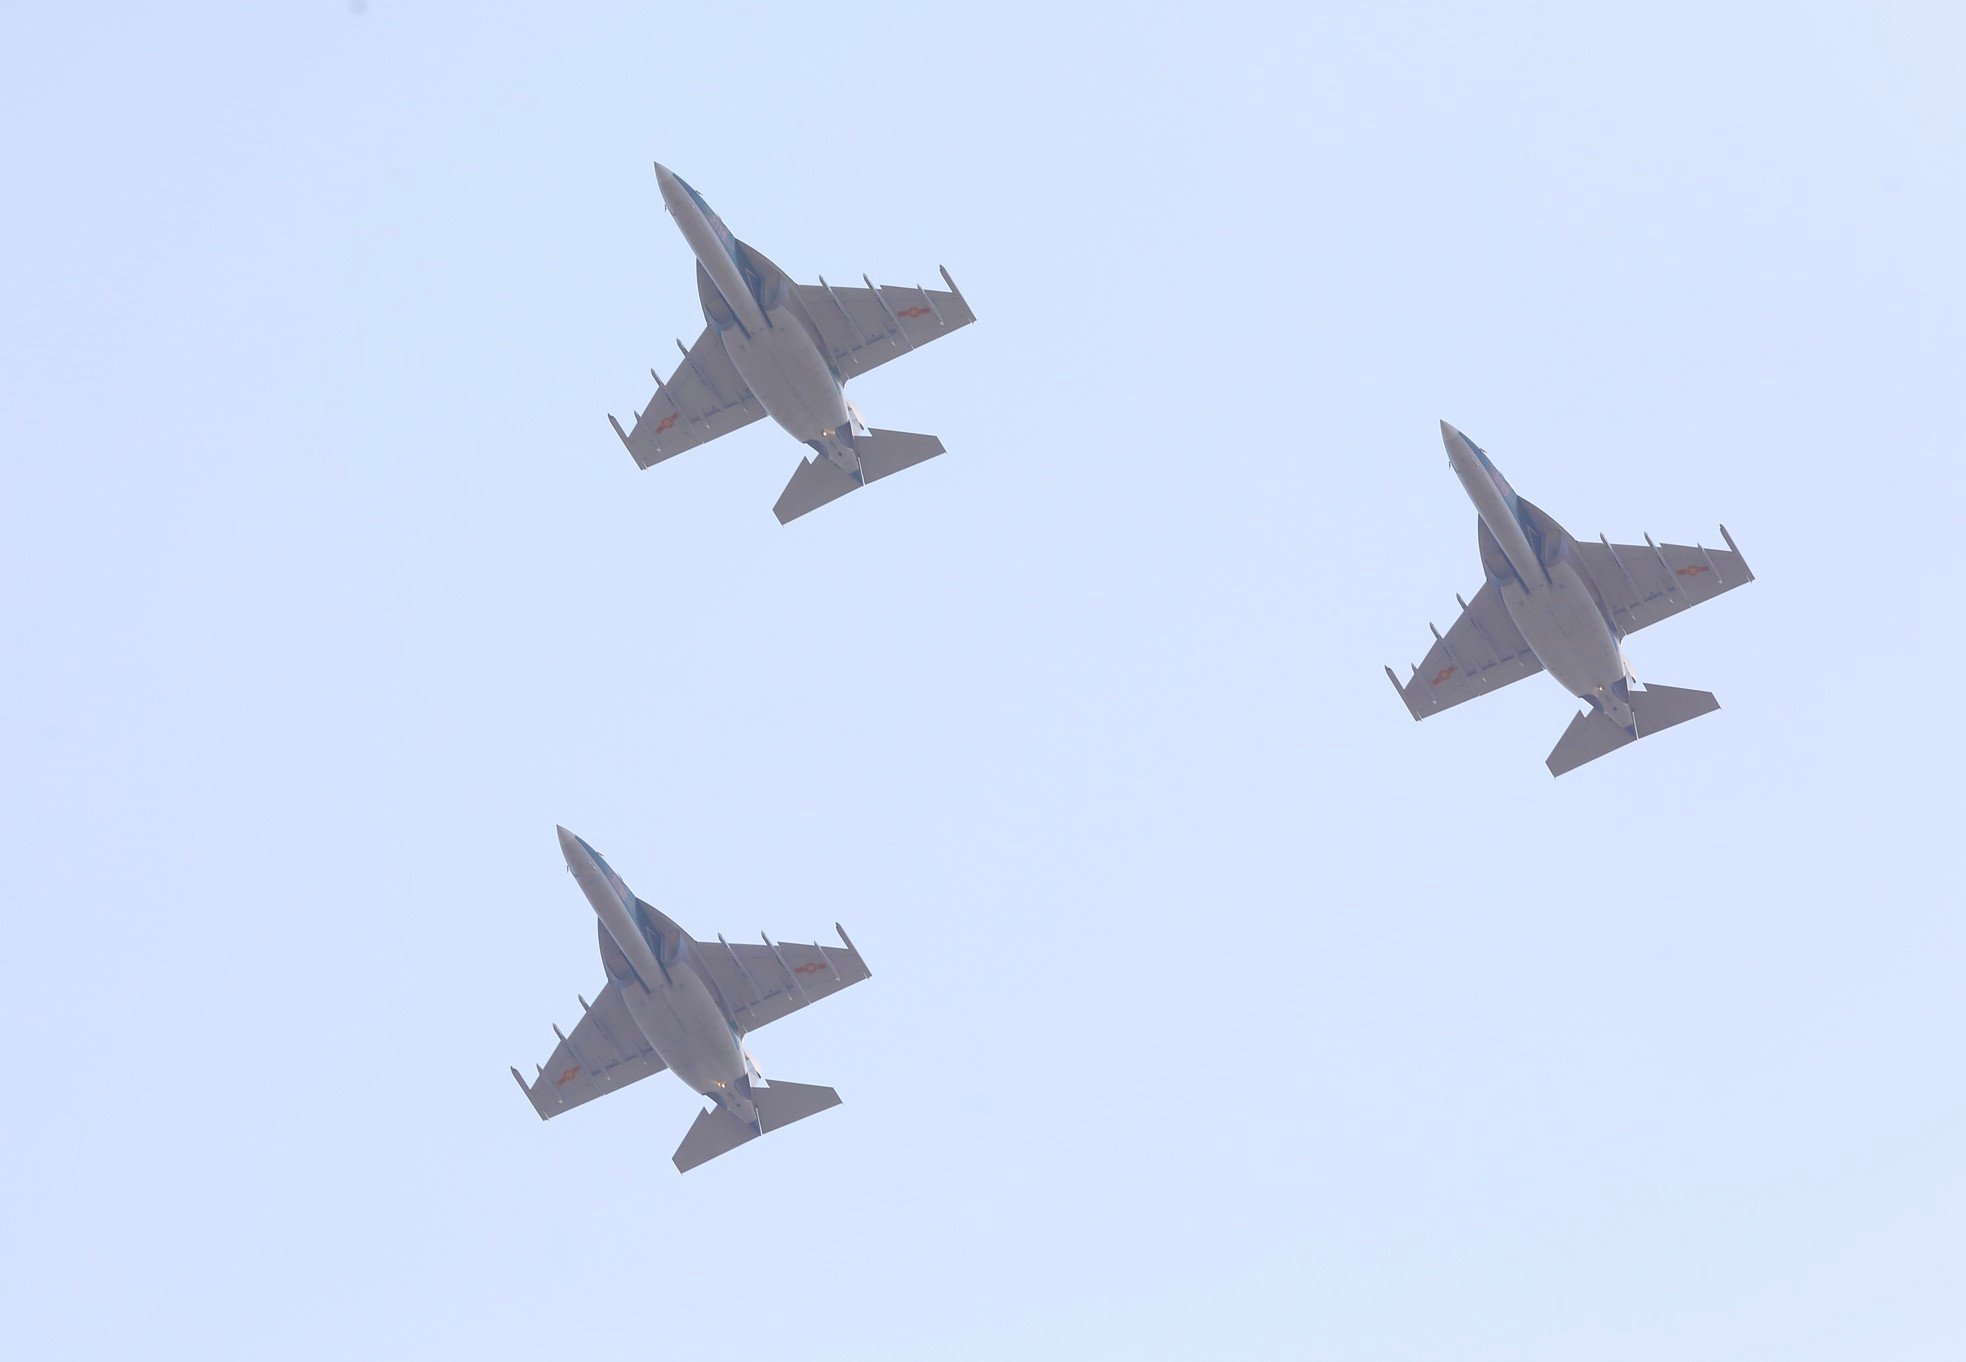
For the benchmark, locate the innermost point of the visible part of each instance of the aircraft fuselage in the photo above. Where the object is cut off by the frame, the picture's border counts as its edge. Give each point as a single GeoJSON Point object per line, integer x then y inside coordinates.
{"type": "Point", "coordinates": [749, 303]}
{"type": "Point", "coordinates": [672, 1004]}
{"type": "Point", "coordinates": [1533, 562]}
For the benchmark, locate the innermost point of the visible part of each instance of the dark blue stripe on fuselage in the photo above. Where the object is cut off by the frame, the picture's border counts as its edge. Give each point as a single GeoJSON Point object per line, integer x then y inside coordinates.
{"type": "Point", "coordinates": [732, 248]}
{"type": "Point", "coordinates": [1530, 529]}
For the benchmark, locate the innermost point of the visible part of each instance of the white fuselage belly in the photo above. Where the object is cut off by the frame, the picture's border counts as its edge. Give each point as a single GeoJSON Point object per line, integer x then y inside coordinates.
{"type": "Point", "coordinates": [1560, 622]}
{"type": "Point", "coordinates": [1552, 605]}
{"type": "Point", "coordinates": [774, 354]}
{"type": "Point", "coordinates": [685, 1026]}
{"type": "Point", "coordinates": [789, 376]}
{"type": "Point", "coordinates": [671, 1005]}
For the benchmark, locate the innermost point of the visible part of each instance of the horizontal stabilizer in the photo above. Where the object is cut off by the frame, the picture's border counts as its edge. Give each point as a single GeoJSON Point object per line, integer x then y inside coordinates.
{"type": "Point", "coordinates": [715, 1132]}
{"type": "Point", "coordinates": [781, 1103]}
{"type": "Point", "coordinates": [889, 451]}
{"type": "Point", "coordinates": [816, 482]}
{"type": "Point", "coordinates": [1658, 707]}
{"type": "Point", "coordinates": [1591, 735]}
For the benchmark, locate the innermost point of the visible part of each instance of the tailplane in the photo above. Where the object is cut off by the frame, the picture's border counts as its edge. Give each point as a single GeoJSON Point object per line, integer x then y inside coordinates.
{"type": "Point", "coordinates": [1591, 734]}
{"type": "Point", "coordinates": [781, 1103]}
{"type": "Point", "coordinates": [716, 1131]}
{"type": "Point", "coordinates": [819, 480]}
{"type": "Point", "coordinates": [889, 451]}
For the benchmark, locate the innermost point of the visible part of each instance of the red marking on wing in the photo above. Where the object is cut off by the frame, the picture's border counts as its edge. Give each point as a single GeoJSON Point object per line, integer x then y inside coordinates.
{"type": "Point", "coordinates": [809, 967]}
{"type": "Point", "coordinates": [913, 312]}
{"type": "Point", "coordinates": [1693, 569]}
{"type": "Point", "coordinates": [573, 1071]}
{"type": "Point", "coordinates": [1443, 674]}
{"type": "Point", "coordinates": [665, 423]}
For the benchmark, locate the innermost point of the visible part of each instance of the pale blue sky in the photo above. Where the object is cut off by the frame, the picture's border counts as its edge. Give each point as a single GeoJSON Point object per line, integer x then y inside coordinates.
{"type": "Point", "coordinates": [1218, 1008]}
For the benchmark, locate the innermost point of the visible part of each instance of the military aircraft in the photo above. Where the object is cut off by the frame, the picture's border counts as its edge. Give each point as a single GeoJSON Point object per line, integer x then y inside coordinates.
{"type": "Point", "coordinates": [784, 350]}
{"type": "Point", "coordinates": [675, 1003]}
{"type": "Point", "coordinates": [1553, 604]}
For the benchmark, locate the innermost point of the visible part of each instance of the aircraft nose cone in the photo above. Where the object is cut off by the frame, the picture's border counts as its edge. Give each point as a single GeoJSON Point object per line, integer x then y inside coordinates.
{"type": "Point", "coordinates": [1461, 451]}
{"type": "Point", "coordinates": [672, 188]}
{"type": "Point", "coordinates": [569, 844]}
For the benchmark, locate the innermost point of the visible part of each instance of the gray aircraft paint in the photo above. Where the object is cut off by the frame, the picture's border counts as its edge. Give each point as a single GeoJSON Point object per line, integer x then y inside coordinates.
{"type": "Point", "coordinates": [785, 350]}
{"type": "Point", "coordinates": [773, 349]}
{"type": "Point", "coordinates": [675, 1003]}
{"type": "Point", "coordinates": [1553, 604]}
{"type": "Point", "coordinates": [1557, 612]}
{"type": "Point", "coordinates": [668, 1000]}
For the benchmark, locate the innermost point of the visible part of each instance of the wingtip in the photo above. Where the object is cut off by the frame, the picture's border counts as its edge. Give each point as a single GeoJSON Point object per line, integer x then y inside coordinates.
{"type": "Point", "coordinates": [1400, 691]}
{"type": "Point", "coordinates": [852, 949]}
{"type": "Point", "coordinates": [948, 279]}
{"type": "Point", "coordinates": [1734, 549]}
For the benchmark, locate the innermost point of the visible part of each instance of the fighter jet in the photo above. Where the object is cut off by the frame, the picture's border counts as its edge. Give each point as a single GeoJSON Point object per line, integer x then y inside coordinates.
{"type": "Point", "coordinates": [672, 1002]}
{"type": "Point", "coordinates": [1553, 604]}
{"type": "Point", "coordinates": [784, 350]}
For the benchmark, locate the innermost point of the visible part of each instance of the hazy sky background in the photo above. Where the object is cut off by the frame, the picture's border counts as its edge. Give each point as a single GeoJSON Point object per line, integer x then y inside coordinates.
{"type": "Point", "coordinates": [1218, 1008]}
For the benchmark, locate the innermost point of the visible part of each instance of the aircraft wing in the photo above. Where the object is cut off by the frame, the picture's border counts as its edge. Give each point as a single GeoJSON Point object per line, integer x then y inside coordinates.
{"type": "Point", "coordinates": [703, 399]}
{"type": "Point", "coordinates": [1482, 652]}
{"type": "Point", "coordinates": [765, 982]}
{"type": "Point", "coordinates": [606, 1051]}
{"type": "Point", "coordinates": [866, 327]}
{"type": "Point", "coordinates": [1642, 584]}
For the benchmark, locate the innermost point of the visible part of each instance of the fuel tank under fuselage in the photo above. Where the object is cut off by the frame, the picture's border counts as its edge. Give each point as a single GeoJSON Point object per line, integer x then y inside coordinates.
{"type": "Point", "coordinates": [751, 306]}
{"type": "Point", "coordinates": [673, 1005]}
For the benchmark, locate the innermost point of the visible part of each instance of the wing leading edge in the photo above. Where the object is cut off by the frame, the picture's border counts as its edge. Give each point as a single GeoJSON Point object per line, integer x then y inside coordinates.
{"type": "Point", "coordinates": [704, 398]}
{"type": "Point", "coordinates": [761, 983]}
{"type": "Point", "coordinates": [1642, 584]}
{"type": "Point", "coordinates": [864, 328]}
{"type": "Point", "coordinates": [606, 1051]}
{"type": "Point", "coordinates": [1482, 652]}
